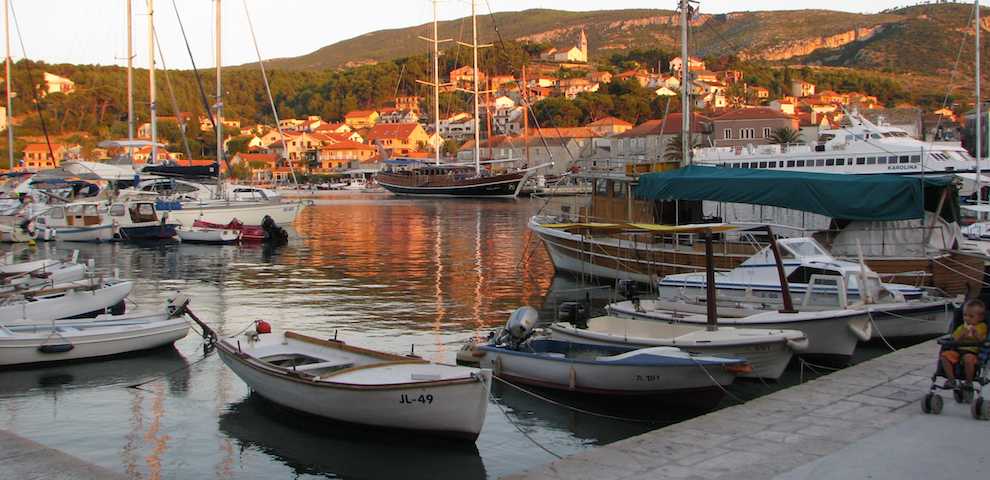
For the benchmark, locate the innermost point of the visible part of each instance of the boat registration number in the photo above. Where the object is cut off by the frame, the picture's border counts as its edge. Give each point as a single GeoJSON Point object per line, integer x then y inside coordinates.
{"type": "Point", "coordinates": [647, 378]}
{"type": "Point", "coordinates": [410, 400]}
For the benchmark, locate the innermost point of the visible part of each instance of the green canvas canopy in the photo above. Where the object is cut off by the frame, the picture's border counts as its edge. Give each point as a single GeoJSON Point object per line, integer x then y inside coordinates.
{"type": "Point", "coordinates": [840, 196]}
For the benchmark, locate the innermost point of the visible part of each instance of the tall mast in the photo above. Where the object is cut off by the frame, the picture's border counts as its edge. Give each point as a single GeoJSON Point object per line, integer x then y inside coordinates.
{"type": "Point", "coordinates": [151, 82]}
{"type": "Point", "coordinates": [979, 113]}
{"type": "Point", "coordinates": [7, 83]}
{"type": "Point", "coordinates": [685, 86]}
{"type": "Point", "coordinates": [436, 81]}
{"type": "Point", "coordinates": [130, 84]}
{"type": "Point", "coordinates": [477, 121]}
{"type": "Point", "coordinates": [219, 106]}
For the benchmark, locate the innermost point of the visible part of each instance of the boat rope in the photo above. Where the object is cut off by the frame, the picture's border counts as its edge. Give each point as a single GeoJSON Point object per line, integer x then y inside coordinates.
{"type": "Point", "coordinates": [951, 84]}
{"type": "Point", "coordinates": [876, 328]}
{"type": "Point", "coordinates": [520, 429]}
{"type": "Point", "coordinates": [192, 61]}
{"type": "Point", "coordinates": [137, 386]}
{"type": "Point", "coordinates": [38, 105]}
{"type": "Point", "coordinates": [729, 394]}
{"type": "Point", "coordinates": [175, 103]}
{"type": "Point", "coordinates": [573, 408]}
{"type": "Point", "coordinates": [814, 369]}
{"type": "Point", "coordinates": [980, 271]}
{"type": "Point", "coordinates": [268, 91]}
{"type": "Point", "coordinates": [961, 274]}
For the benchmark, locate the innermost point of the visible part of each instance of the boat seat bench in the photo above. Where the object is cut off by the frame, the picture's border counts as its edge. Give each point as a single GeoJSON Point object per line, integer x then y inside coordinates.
{"type": "Point", "coordinates": [332, 364]}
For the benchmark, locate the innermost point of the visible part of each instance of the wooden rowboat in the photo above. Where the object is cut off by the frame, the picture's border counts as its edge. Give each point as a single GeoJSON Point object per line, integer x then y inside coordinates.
{"type": "Point", "coordinates": [336, 381]}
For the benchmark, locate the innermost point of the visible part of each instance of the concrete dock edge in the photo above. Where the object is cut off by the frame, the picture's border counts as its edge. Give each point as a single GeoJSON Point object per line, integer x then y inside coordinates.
{"type": "Point", "coordinates": [23, 459]}
{"type": "Point", "coordinates": [770, 435]}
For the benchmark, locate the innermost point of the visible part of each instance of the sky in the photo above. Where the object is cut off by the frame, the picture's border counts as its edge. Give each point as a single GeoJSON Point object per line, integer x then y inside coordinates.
{"type": "Point", "coordinates": [94, 31]}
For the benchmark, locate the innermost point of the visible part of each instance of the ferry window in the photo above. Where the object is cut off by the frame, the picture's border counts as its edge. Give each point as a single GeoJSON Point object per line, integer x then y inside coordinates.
{"type": "Point", "coordinates": [117, 210]}
{"type": "Point", "coordinates": [57, 212]}
{"type": "Point", "coordinates": [881, 160]}
{"type": "Point", "coordinates": [820, 162]}
{"type": "Point", "coordinates": [860, 161]}
{"type": "Point", "coordinates": [905, 159]}
{"type": "Point", "coordinates": [915, 158]}
{"type": "Point", "coordinates": [871, 161]}
{"type": "Point", "coordinates": [619, 190]}
{"type": "Point", "coordinates": [800, 163]}
{"type": "Point", "coordinates": [763, 164]}
{"type": "Point", "coordinates": [790, 163]}
{"type": "Point", "coordinates": [841, 161]}
{"type": "Point", "coordinates": [766, 132]}
{"type": "Point", "coordinates": [830, 162]}
{"type": "Point", "coordinates": [875, 135]}
{"type": "Point", "coordinates": [773, 164]}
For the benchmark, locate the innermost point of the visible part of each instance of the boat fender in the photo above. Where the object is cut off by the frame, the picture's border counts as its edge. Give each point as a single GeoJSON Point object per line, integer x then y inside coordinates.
{"type": "Point", "coordinates": [56, 348]}
{"type": "Point", "coordinates": [262, 327]}
{"type": "Point", "coordinates": [798, 344]}
{"type": "Point", "coordinates": [738, 368]}
{"type": "Point", "coordinates": [863, 332]}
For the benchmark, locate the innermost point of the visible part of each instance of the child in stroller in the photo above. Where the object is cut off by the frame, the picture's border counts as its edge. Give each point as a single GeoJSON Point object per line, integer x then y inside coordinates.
{"type": "Point", "coordinates": [964, 353]}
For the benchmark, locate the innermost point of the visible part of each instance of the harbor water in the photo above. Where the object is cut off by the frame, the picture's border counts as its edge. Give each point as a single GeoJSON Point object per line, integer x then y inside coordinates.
{"type": "Point", "coordinates": [406, 276]}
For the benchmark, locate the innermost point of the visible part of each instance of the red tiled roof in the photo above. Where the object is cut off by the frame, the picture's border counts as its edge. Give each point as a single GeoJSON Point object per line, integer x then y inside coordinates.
{"type": "Point", "coordinates": [671, 127]}
{"type": "Point", "coordinates": [359, 113]}
{"type": "Point", "coordinates": [391, 130]}
{"type": "Point", "coordinates": [564, 132]}
{"type": "Point", "coordinates": [753, 114]}
{"type": "Point", "coordinates": [42, 147]}
{"type": "Point", "coordinates": [258, 157]}
{"type": "Point", "coordinates": [609, 121]}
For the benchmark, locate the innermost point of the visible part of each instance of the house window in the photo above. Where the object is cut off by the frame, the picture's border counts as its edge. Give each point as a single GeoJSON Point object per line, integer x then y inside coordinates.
{"type": "Point", "coordinates": [871, 161]}
{"type": "Point", "coordinates": [766, 132]}
{"type": "Point", "coordinates": [820, 162]}
{"type": "Point", "coordinates": [773, 164]}
{"type": "Point", "coordinates": [915, 158]}
{"type": "Point", "coordinates": [727, 133]}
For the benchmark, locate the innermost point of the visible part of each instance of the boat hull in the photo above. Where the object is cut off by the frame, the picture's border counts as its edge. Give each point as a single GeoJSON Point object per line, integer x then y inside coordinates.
{"type": "Point", "coordinates": [499, 186]}
{"type": "Point", "coordinates": [74, 303]}
{"type": "Point", "coordinates": [831, 338]}
{"type": "Point", "coordinates": [149, 231]}
{"type": "Point", "coordinates": [282, 213]}
{"type": "Point", "coordinates": [95, 233]}
{"type": "Point", "coordinates": [768, 359]}
{"type": "Point", "coordinates": [208, 236]}
{"type": "Point", "coordinates": [23, 350]}
{"type": "Point", "coordinates": [456, 410]}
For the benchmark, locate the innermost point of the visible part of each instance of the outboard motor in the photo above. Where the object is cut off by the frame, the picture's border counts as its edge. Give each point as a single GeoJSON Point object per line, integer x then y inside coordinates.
{"type": "Point", "coordinates": [630, 291]}
{"type": "Point", "coordinates": [575, 313]}
{"type": "Point", "coordinates": [274, 234]}
{"type": "Point", "coordinates": [519, 327]}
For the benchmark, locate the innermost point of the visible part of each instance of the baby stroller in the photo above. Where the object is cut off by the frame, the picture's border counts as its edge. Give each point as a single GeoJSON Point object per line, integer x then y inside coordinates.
{"type": "Point", "coordinates": [972, 394]}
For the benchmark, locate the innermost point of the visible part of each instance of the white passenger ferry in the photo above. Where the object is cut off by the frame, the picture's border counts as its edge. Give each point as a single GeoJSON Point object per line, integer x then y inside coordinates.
{"type": "Point", "coordinates": [861, 148]}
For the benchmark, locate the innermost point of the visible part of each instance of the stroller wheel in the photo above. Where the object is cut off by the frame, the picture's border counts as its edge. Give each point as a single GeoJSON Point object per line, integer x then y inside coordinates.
{"type": "Point", "coordinates": [932, 403]}
{"type": "Point", "coordinates": [959, 395]}
{"type": "Point", "coordinates": [980, 409]}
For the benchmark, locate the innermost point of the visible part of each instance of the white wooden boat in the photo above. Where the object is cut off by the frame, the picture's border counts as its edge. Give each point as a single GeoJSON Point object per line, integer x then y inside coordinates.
{"type": "Point", "coordinates": [832, 334]}
{"type": "Point", "coordinates": [13, 233]}
{"type": "Point", "coordinates": [45, 277]}
{"type": "Point", "coordinates": [106, 335]}
{"type": "Point", "coordinates": [193, 234]}
{"type": "Point", "coordinates": [611, 370]}
{"type": "Point", "coordinates": [27, 267]}
{"type": "Point", "coordinates": [76, 222]}
{"type": "Point", "coordinates": [74, 299]}
{"type": "Point", "coordinates": [818, 281]}
{"type": "Point", "coordinates": [333, 380]}
{"type": "Point", "coordinates": [767, 351]}
{"type": "Point", "coordinates": [223, 212]}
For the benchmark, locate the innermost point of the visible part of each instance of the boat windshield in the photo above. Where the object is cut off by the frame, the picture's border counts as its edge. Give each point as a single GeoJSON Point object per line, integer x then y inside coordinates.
{"type": "Point", "coordinates": [805, 248]}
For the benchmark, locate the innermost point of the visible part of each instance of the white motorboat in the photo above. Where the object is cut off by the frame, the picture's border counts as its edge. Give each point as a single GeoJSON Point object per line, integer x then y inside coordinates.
{"type": "Point", "coordinates": [832, 334]}
{"type": "Point", "coordinates": [341, 382]}
{"type": "Point", "coordinates": [84, 298]}
{"type": "Point", "coordinates": [103, 336]}
{"type": "Point", "coordinates": [820, 282]}
{"type": "Point", "coordinates": [767, 351]}
{"type": "Point", "coordinates": [140, 221]}
{"type": "Point", "coordinates": [223, 212]}
{"type": "Point", "coordinates": [46, 276]}
{"type": "Point", "coordinates": [76, 222]}
{"type": "Point", "coordinates": [193, 234]}
{"type": "Point", "coordinates": [27, 267]}
{"type": "Point", "coordinates": [516, 355]}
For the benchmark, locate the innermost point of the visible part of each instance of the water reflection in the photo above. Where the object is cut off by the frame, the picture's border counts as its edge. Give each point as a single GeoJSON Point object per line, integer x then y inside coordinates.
{"type": "Point", "coordinates": [310, 446]}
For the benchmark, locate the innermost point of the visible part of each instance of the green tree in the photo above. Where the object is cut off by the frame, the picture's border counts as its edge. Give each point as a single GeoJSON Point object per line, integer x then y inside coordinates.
{"type": "Point", "coordinates": [673, 150]}
{"type": "Point", "coordinates": [557, 112]}
{"type": "Point", "coordinates": [785, 136]}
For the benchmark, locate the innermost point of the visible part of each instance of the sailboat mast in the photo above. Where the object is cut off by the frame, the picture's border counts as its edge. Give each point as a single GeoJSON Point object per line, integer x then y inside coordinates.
{"type": "Point", "coordinates": [436, 82]}
{"type": "Point", "coordinates": [979, 113]}
{"type": "Point", "coordinates": [7, 83]}
{"type": "Point", "coordinates": [151, 82]}
{"type": "Point", "coordinates": [130, 84]}
{"type": "Point", "coordinates": [685, 86]}
{"type": "Point", "coordinates": [477, 121]}
{"type": "Point", "coordinates": [219, 106]}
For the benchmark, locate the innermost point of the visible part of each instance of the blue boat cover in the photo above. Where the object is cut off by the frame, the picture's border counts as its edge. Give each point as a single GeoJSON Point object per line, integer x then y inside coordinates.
{"type": "Point", "coordinates": [840, 196]}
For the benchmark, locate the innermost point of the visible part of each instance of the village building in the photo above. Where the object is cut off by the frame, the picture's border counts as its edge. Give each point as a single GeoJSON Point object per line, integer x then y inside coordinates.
{"type": "Point", "coordinates": [694, 64]}
{"type": "Point", "coordinates": [801, 88]}
{"type": "Point", "coordinates": [648, 141]}
{"type": "Point", "coordinates": [399, 138]}
{"type": "Point", "coordinates": [57, 84]}
{"type": "Point", "coordinates": [37, 156]}
{"type": "Point", "coordinates": [760, 93]}
{"type": "Point", "coordinates": [786, 105]}
{"type": "Point", "coordinates": [394, 115]}
{"type": "Point", "coordinates": [463, 78]}
{"type": "Point", "coordinates": [358, 119]}
{"type": "Point", "coordinates": [908, 119]}
{"type": "Point", "coordinates": [344, 155]}
{"type": "Point", "coordinates": [458, 126]}
{"type": "Point", "coordinates": [750, 126]}
{"type": "Point", "coordinates": [571, 87]}
{"type": "Point", "coordinates": [408, 102]}
{"type": "Point", "coordinates": [600, 77]}
{"type": "Point", "coordinates": [609, 126]}
{"type": "Point", "coordinates": [575, 54]}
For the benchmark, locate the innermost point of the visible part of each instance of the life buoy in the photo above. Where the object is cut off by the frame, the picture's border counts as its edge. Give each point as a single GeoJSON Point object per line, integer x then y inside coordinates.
{"type": "Point", "coordinates": [262, 326]}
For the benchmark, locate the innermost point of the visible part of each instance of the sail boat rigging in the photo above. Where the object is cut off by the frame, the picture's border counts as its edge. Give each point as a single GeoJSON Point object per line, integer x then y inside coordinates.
{"type": "Point", "coordinates": [416, 178]}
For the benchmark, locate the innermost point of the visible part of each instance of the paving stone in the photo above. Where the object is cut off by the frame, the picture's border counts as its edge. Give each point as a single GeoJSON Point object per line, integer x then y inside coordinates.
{"type": "Point", "coordinates": [732, 461]}
{"type": "Point", "coordinates": [877, 401]}
{"type": "Point", "coordinates": [706, 455]}
{"type": "Point", "coordinates": [837, 409]}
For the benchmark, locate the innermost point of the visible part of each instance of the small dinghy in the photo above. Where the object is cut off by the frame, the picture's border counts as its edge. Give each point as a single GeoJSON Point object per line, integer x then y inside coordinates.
{"type": "Point", "coordinates": [333, 380]}
{"type": "Point", "coordinates": [207, 235]}
{"type": "Point", "coordinates": [103, 336]}
{"type": "Point", "coordinates": [46, 274]}
{"type": "Point", "coordinates": [767, 351]}
{"type": "Point", "coordinates": [516, 355]}
{"type": "Point", "coordinates": [84, 298]}
{"type": "Point", "coordinates": [267, 232]}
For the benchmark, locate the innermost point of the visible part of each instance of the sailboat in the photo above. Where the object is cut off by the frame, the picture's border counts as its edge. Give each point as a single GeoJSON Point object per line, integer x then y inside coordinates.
{"type": "Point", "coordinates": [414, 177]}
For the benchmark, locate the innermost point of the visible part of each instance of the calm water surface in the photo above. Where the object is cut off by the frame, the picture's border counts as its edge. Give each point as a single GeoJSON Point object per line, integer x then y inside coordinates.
{"type": "Point", "coordinates": [375, 271]}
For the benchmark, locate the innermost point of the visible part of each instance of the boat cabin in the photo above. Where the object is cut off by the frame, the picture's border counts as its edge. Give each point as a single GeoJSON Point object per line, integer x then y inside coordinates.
{"type": "Point", "coordinates": [134, 212]}
{"type": "Point", "coordinates": [77, 214]}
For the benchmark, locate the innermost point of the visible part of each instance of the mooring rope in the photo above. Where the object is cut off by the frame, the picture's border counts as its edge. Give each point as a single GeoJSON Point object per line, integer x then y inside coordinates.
{"type": "Point", "coordinates": [573, 408]}
{"type": "Point", "coordinates": [517, 427]}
